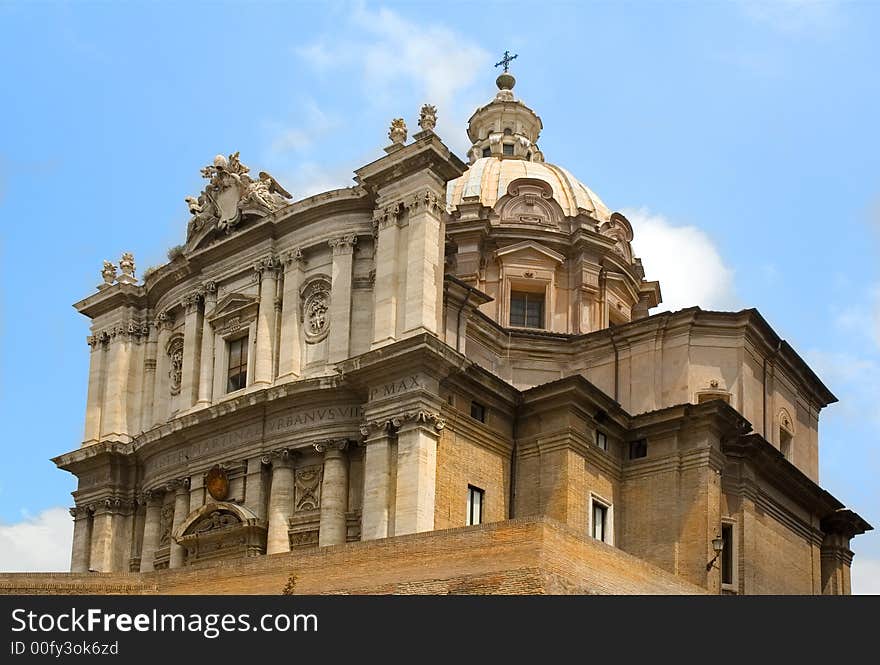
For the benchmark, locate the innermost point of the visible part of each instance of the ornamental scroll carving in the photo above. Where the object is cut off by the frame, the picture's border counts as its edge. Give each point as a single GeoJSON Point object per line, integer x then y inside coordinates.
{"type": "Point", "coordinates": [166, 520]}
{"type": "Point", "coordinates": [308, 483]}
{"type": "Point", "coordinates": [315, 313]}
{"type": "Point", "coordinates": [175, 358]}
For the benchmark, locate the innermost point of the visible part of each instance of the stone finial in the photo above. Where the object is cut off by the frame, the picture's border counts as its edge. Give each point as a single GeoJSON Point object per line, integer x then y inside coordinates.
{"type": "Point", "coordinates": [108, 272]}
{"type": "Point", "coordinates": [397, 133]}
{"type": "Point", "coordinates": [428, 118]}
{"type": "Point", "coordinates": [126, 266]}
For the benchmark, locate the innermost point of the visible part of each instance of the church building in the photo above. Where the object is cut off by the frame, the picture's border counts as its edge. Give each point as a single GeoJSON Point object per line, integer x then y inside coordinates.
{"type": "Point", "coordinates": [443, 379]}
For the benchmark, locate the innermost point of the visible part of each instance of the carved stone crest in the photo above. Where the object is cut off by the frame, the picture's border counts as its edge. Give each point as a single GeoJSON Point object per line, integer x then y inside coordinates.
{"type": "Point", "coordinates": [397, 132]}
{"type": "Point", "coordinates": [428, 117]}
{"type": "Point", "coordinates": [231, 189]}
{"type": "Point", "coordinates": [217, 483]}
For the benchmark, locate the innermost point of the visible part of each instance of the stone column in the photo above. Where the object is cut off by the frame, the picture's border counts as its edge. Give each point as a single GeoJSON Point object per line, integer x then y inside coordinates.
{"type": "Point", "coordinates": [206, 358]}
{"type": "Point", "coordinates": [151, 537]}
{"type": "Point", "coordinates": [377, 483]}
{"type": "Point", "coordinates": [386, 285]}
{"type": "Point", "coordinates": [192, 332]}
{"type": "Point", "coordinates": [137, 534]}
{"type": "Point", "coordinates": [290, 351]}
{"type": "Point", "coordinates": [101, 556]}
{"type": "Point", "coordinates": [255, 490]}
{"type": "Point", "coordinates": [149, 391]}
{"type": "Point", "coordinates": [340, 297]}
{"type": "Point", "coordinates": [416, 473]}
{"type": "Point", "coordinates": [82, 539]}
{"type": "Point", "coordinates": [281, 497]}
{"type": "Point", "coordinates": [266, 270]}
{"type": "Point", "coordinates": [181, 510]}
{"type": "Point", "coordinates": [334, 493]}
{"type": "Point", "coordinates": [114, 411]}
{"type": "Point", "coordinates": [424, 261]}
{"type": "Point", "coordinates": [94, 399]}
{"type": "Point", "coordinates": [161, 397]}
{"type": "Point", "coordinates": [196, 491]}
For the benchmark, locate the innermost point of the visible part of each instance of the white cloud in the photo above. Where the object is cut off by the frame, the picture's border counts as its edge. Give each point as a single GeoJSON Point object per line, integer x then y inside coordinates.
{"type": "Point", "coordinates": [862, 319]}
{"type": "Point", "coordinates": [315, 124]}
{"type": "Point", "coordinates": [37, 544]}
{"type": "Point", "coordinates": [685, 261]}
{"type": "Point", "coordinates": [391, 56]}
{"type": "Point", "coordinates": [866, 576]}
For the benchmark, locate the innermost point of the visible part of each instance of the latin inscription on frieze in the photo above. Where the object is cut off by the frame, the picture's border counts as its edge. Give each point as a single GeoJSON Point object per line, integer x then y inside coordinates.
{"type": "Point", "coordinates": [395, 388]}
{"type": "Point", "coordinates": [295, 419]}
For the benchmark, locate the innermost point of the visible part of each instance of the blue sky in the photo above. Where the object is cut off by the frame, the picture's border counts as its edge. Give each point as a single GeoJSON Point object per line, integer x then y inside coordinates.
{"type": "Point", "coordinates": [740, 138]}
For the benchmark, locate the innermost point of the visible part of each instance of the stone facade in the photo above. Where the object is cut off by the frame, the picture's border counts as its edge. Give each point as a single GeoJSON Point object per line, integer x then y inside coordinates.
{"type": "Point", "coordinates": [442, 345]}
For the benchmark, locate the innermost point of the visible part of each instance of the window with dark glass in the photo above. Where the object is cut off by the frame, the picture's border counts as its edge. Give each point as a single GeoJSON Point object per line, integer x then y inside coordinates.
{"type": "Point", "coordinates": [601, 440]}
{"type": "Point", "coordinates": [478, 412]}
{"type": "Point", "coordinates": [508, 149]}
{"type": "Point", "coordinates": [474, 505]}
{"type": "Point", "coordinates": [600, 521]}
{"type": "Point", "coordinates": [237, 365]}
{"type": "Point", "coordinates": [727, 554]}
{"type": "Point", "coordinates": [487, 152]}
{"type": "Point", "coordinates": [526, 309]}
{"type": "Point", "coordinates": [638, 449]}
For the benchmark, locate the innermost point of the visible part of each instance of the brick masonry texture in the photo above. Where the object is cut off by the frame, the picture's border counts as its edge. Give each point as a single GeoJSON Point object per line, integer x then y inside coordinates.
{"type": "Point", "coordinates": [521, 556]}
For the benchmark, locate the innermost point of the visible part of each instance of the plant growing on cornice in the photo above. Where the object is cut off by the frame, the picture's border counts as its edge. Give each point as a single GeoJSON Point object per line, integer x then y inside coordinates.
{"type": "Point", "coordinates": [175, 252]}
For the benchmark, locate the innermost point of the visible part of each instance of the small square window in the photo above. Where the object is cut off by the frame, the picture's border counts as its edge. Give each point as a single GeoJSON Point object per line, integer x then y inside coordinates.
{"type": "Point", "coordinates": [478, 412]}
{"type": "Point", "coordinates": [474, 505]}
{"type": "Point", "coordinates": [601, 440]}
{"type": "Point", "coordinates": [487, 152]}
{"type": "Point", "coordinates": [638, 449]}
{"type": "Point", "coordinates": [237, 364]}
{"type": "Point", "coordinates": [508, 149]}
{"type": "Point", "coordinates": [526, 309]}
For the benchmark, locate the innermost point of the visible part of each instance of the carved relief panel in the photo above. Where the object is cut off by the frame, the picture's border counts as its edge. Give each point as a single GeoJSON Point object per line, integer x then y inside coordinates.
{"type": "Point", "coordinates": [315, 308]}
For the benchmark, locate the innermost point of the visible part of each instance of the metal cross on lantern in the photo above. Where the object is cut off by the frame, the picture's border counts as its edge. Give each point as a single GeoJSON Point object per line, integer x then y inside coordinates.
{"type": "Point", "coordinates": [506, 60]}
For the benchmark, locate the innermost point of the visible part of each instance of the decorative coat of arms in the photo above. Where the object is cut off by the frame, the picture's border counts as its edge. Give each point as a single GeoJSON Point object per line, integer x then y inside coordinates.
{"type": "Point", "coordinates": [231, 189]}
{"type": "Point", "coordinates": [217, 483]}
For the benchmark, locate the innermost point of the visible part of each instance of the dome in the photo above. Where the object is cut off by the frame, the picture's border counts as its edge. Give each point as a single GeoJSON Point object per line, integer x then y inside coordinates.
{"type": "Point", "coordinates": [487, 179]}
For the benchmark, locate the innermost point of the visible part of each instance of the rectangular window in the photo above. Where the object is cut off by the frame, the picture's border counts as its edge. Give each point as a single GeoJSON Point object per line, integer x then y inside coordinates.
{"type": "Point", "coordinates": [237, 365]}
{"type": "Point", "coordinates": [785, 443]}
{"type": "Point", "coordinates": [727, 554]}
{"type": "Point", "coordinates": [601, 440]}
{"type": "Point", "coordinates": [638, 449]}
{"type": "Point", "coordinates": [526, 309]}
{"type": "Point", "coordinates": [487, 152]}
{"type": "Point", "coordinates": [478, 412]}
{"type": "Point", "coordinates": [508, 149]}
{"type": "Point", "coordinates": [474, 506]}
{"type": "Point", "coordinates": [600, 522]}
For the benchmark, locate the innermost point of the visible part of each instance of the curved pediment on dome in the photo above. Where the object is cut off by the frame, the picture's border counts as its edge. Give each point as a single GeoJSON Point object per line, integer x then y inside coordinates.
{"type": "Point", "coordinates": [620, 230]}
{"type": "Point", "coordinates": [529, 201]}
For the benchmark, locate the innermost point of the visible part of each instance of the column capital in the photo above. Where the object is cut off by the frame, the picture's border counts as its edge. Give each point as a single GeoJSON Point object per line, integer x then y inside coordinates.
{"type": "Point", "coordinates": [191, 300]}
{"type": "Point", "coordinates": [279, 457]}
{"type": "Point", "coordinates": [331, 446]}
{"type": "Point", "coordinates": [386, 216]}
{"type": "Point", "coordinates": [343, 245]}
{"type": "Point", "coordinates": [422, 418]}
{"type": "Point", "coordinates": [178, 486]}
{"type": "Point", "coordinates": [269, 264]}
{"type": "Point", "coordinates": [81, 511]}
{"type": "Point", "coordinates": [425, 199]}
{"type": "Point", "coordinates": [164, 320]}
{"type": "Point", "coordinates": [293, 258]}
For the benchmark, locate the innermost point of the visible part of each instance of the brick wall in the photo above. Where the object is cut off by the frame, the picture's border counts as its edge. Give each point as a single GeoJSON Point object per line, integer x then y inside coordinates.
{"type": "Point", "coordinates": [522, 556]}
